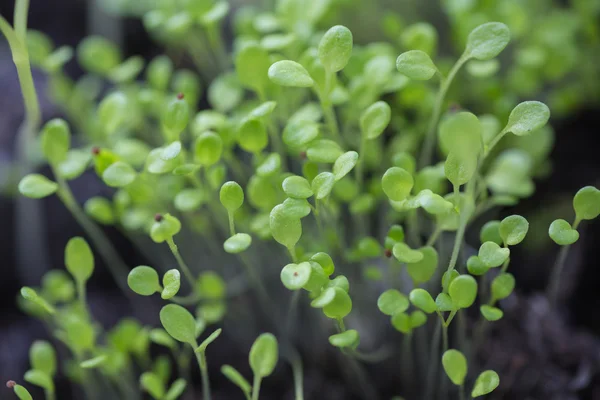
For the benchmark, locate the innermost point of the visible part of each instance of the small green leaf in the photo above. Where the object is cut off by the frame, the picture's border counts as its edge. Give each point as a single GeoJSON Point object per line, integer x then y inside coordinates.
{"type": "Point", "coordinates": [392, 301]}
{"type": "Point", "coordinates": [270, 165]}
{"type": "Point", "coordinates": [290, 73]}
{"type": "Point", "coordinates": [252, 136]}
{"type": "Point", "coordinates": [152, 384]}
{"type": "Point", "coordinates": [491, 313]}
{"type": "Point", "coordinates": [296, 208]}
{"type": "Point", "coordinates": [263, 355]}
{"type": "Point", "coordinates": [324, 151]}
{"type": "Point", "coordinates": [417, 319]}
{"type": "Point", "coordinates": [37, 186]}
{"type": "Point", "coordinates": [401, 322]}
{"type": "Point", "coordinates": [421, 271]}
{"type": "Point", "coordinates": [94, 362]}
{"type": "Point", "coordinates": [397, 183]}
{"type": "Point", "coordinates": [176, 389]}
{"type": "Point", "coordinates": [422, 300]}
{"type": "Point", "coordinates": [476, 266]}
{"type": "Point", "coordinates": [339, 306]}
{"type": "Point", "coordinates": [297, 187]}
{"type": "Point", "coordinates": [31, 295]}
{"type": "Point", "coordinates": [236, 378]}
{"type": "Point", "coordinates": [490, 232]}
{"type": "Point", "coordinates": [175, 117]}
{"type": "Point", "coordinates": [299, 133]}
{"type": "Point", "coordinates": [113, 112]}
{"type": "Point", "coordinates": [463, 290]}
{"type": "Point", "coordinates": [458, 169]}
{"type": "Point", "coordinates": [143, 280]}
{"type": "Point", "coordinates": [405, 254]}
{"type": "Point", "coordinates": [527, 117]}
{"type": "Point", "coordinates": [118, 174]}
{"type": "Point", "coordinates": [208, 148]}
{"type": "Point", "coordinates": [171, 284]}
{"type": "Point", "coordinates": [295, 276]}
{"type": "Point", "coordinates": [513, 229]}
{"type": "Point", "coordinates": [171, 151]}
{"type": "Point", "coordinates": [164, 228]}
{"type": "Point", "coordinates": [186, 169]}
{"type": "Point", "coordinates": [237, 243]}
{"type": "Point", "coordinates": [335, 48]}
{"type": "Point", "coordinates": [349, 338]}
{"type": "Point", "coordinates": [161, 337]}
{"type": "Point", "coordinates": [455, 365]}
{"type": "Point", "coordinates": [344, 164]}
{"type": "Point", "coordinates": [42, 357]}
{"type": "Point", "coordinates": [231, 196]}
{"type": "Point", "coordinates": [22, 393]}
{"type": "Point", "coordinates": [210, 285]}
{"type": "Point", "coordinates": [416, 64]}
{"type": "Point", "coordinates": [486, 383]}
{"type": "Point", "coordinates": [211, 338]}
{"type": "Point", "coordinates": [322, 184]}
{"type": "Point", "coordinates": [493, 255]}
{"type": "Point", "coordinates": [448, 277]}
{"type": "Point", "coordinates": [179, 323]}
{"type": "Point", "coordinates": [487, 41]}
{"type": "Point", "coordinates": [325, 261]}
{"type": "Point", "coordinates": [562, 233]}
{"type": "Point", "coordinates": [74, 165]}
{"type": "Point", "coordinates": [502, 286]}
{"type": "Point", "coordinates": [586, 203]}
{"type": "Point", "coordinates": [39, 378]}
{"type": "Point", "coordinates": [444, 303]}
{"type": "Point", "coordinates": [79, 259]}
{"type": "Point", "coordinates": [100, 209]}
{"type": "Point", "coordinates": [56, 140]}
{"type": "Point", "coordinates": [375, 119]}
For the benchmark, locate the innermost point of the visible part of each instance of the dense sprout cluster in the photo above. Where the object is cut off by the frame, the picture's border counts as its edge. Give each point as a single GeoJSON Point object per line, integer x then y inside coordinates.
{"type": "Point", "coordinates": [347, 157]}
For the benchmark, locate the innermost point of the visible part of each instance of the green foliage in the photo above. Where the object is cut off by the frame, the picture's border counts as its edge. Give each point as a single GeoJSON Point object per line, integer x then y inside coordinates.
{"type": "Point", "coordinates": [562, 233]}
{"type": "Point", "coordinates": [179, 323]}
{"type": "Point", "coordinates": [486, 383]}
{"type": "Point", "coordinates": [79, 259]}
{"type": "Point", "coordinates": [335, 48]}
{"type": "Point", "coordinates": [264, 355]}
{"type": "Point", "coordinates": [416, 64]}
{"type": "Point", "coordinates": [455, 366]}
{"type": "Point", "coordinates": [586, 203]}
{"type": "Point", "coordinates": [37, 186]}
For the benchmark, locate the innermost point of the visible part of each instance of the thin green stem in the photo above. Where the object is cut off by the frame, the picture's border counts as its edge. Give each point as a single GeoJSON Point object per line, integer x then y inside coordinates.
{"type": "Point", "coordinates": [81, 295]}
{"type": "Point", "coordinates": [433, 360]}
{"type": "Point", "coordinates": [201, 358]}
{"type": "Point", "coordinates": [256, 387]}
{"type": "Point", "coordinates": [434, 237]}
{"type": "Point", "coordinates": [494, 142]}
{"type": "Point", "coordinates": [292, 251]}
{"type": "Point", "coordinates": [186, 271]}
{"type": "Point", "coordinates": [296, 363]}
{"type": "Point", "coordinates": [361, 161]}
{"type": "Point", "coordinates": [110, 256]}
{"type": "Point", "coordinates": [429, 143]}
{"type": "Point", "coordinates": [461, 392]}
{"type": "Point", "coordinates": [231, 223]}
{"type": "Point", "coordinates": [50, 395]}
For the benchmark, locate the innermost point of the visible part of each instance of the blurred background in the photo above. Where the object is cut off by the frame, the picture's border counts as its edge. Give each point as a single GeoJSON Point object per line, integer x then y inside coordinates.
{"type": "Point", "coordinates": [547, 355]}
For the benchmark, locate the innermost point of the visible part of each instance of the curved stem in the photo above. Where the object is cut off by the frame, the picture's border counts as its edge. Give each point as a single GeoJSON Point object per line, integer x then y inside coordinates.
{"type": "Point", "coordinates": [186, 271]}
{"type": "Point", "coordinates": [433, 361]}
{"type": "Point", "coordinates": [429, 143]}
{"type": "Point", "coordinates": [256, 387]}
{"type": "Point", "coordinates": [557, 270]}
{"type": "Point", "coordinates": [201, 358]}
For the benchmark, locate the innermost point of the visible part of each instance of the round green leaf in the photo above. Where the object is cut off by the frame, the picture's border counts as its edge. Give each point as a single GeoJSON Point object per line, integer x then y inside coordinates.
{"type": "Point", "coordinates": [502, 286]}
{"type": "Point", "coordinates": [335, 48]}
{"type": "Point", "coordinates": [100, 209]}
{"type": "Point", "coordinates": [74, 165]}
{"type": "Point", "coordinates": [322, 184]}
{"type": "Point", "coordinates": [490, 232]}
{"type": "Point", "coordinates": [171, 151]}
{"type": "Point", "coordinates": [323, 151]}
{"type": "Point", "coordinates": [37, 186]}
{"type": "Point", "coordinates": [405, 254]}
{"type": "Point", "coordinates": [375, 119]}
{"type": "Point", "coordinates": [513, 229]}
{"type": "Point", "coordinates": [79, 259]}
{"type": "Point", "coordinates": [448, 277]}
{"type": "Point", "coordinates": [161, 337]}
{"type": "Point", "coordinates": [189, 199]}
{"type": "Point", "coordinates": [296, 208]}
{"type": "Point", "coordinates": [251, 64]}
{"type": "Point", "coordinates": [491, 313]}
{"type": "Point", "coordinates": [231, 196]}
{"type": "Point", "coordinates": [417, 319]}
{"type": "Point", "coordinates": [285, 229]}
{"type": "Point", "coordinates": [476, 266]}
{"type": "Point", "coordinates": [444, 303]}
{"type": "Point", "coordinates": [422, 300]}
{"type": "Point", "coordinates": [171, 284]}
{"type": "Point", "coordinates": [270, 165]}
{"type": "Point", "coordinates": [295, 276]}
{"type": "Point", "coordinates": [340, 306]}
{"type": "Point", "coordinates": [455, 365]}
{"type": "Point", "coordinates": [152, 384]}
{"type": "Point", "coordinates": [165, 227]}
{"type": "Point", "coordinates": [252, 136]}
{"type": "Point", "coordinates": [237, 243]}
{"type": "Point", "coordinates": [487, 41]}
{"type": "Point", "coordinates": [392, 301]}
{"type": "Point", "coordinates": [397, 183]}
{"type": "Point", "coordinates": [208, 149]}
{"type": "Point", "coordinates": [290, 73]}
{"type": "Point", "coordinates": [416, 64]}
{"type": "Point", "coordinates": [39, 378]}
{"type": "Point", "coordinates": [98, 55]}
{"type": "Point", "coordinates": [402, 323]}
{"type": "Point", "coordinates": [143, 280]}
{"type": "Point", "coordinates": [299, 133]}
{"type": "Point", "coordinates": [56, 140]}
{"type": "Point", "coordinates": [349, 338]}
{"type": "Point", "coordinates": [344, 164]}
{"type": "Point", "coordinates": [463, 290]}
{"type": "Point", "coordinates": [527, 117]}
{"type": "Point", "coordinates": [587, 203]}
{"type": "Point", "coordinates": [486, 383]}
{"type": "Point", "coordinates": [118, 174]}
{"type": "Point", "coordinates": [325, 261]}
{"type": "Point", "coordinates": [493, 255]}
{"type": "Point", "coordinates": [179, 323]}
{"type": "Point", "coordinates": [263, 355]}
{"type": "Point", "coordinates": [176, 389]}
{"type": "Point", "coordinates": [42, 357]}
{"type": "Point", "coordinates": [175, 118]}
{"type": "Point", "coordinates": [113, 112]}
{"type": "Point", "coordinates": [562, 233]}
{"type": "Point", "coordinates": [297, 187]}
{"type": "Point", "coordinates": [460, 169]}
{"type": "Point", "coordinates": [421, 271]}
